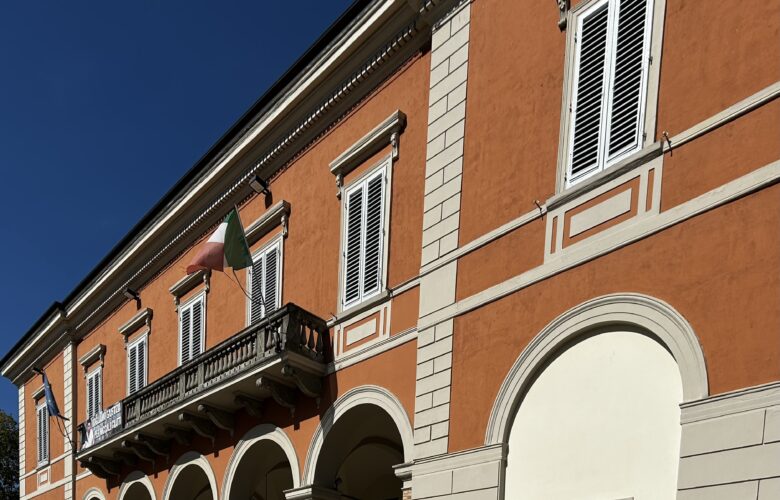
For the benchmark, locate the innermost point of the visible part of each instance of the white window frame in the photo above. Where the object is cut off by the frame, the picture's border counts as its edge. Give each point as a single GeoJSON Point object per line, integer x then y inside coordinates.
{"type": "Point", "coordinates": [144, 338]}
{"type": "Point", "coordinates": [201, 296]}
{"type": "Point", "coordinates": [384, 168]}
{"type": "Point", "coordinates": [276, 242]}
{"type": "Point", "coordinates": [97, 372]}
{"type": "Point", "coordinates": [648, 111]}
{"type": "Point", "coordinates": [42, 450]}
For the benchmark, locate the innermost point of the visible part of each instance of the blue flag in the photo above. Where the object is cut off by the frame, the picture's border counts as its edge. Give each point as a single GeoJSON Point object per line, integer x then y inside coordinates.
{"type": "Point", "coordinates": [51, 403]}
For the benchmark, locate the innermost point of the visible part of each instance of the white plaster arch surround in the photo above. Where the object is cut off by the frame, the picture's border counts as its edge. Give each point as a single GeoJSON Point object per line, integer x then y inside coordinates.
{"type": "Point", "coordinates": [259, 433]}
{"type": "Point", "coordinates": [134, 477]}
{"type": "Point", "coordinates": [187, 459]}
{"type": "Point", "coordinates": [94, 493]}
{"type": "Point", "coordinates": [648, 313]}
{"type": "Point", "coordinates": [365, 394]}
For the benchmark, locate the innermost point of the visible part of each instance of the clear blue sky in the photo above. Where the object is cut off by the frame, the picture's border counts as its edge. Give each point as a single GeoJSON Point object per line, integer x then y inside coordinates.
{"type": "Point", "coordinates": [103, 106]}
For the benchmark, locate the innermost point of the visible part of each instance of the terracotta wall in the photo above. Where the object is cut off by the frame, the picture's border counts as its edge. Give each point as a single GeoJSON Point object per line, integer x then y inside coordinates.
{"type": "Point", "coordinates": [720, 270]}
{"type": "Point", "coordinates": [310, 279]}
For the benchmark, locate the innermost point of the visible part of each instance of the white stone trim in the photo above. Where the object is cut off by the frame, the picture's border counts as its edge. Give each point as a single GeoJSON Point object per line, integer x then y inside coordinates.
{"type": "Point", "coordinates": [277, 215]}
{"type": "Point", "coordinates": [142, 317]}
{"type": "Point", "coordinates": [763, 96]}
{"type": "Point", "coordinates": [648, 313]}
{"type": "Point", "coordinates": [739, 401]}
{"type": "Point", "coordinates": [749, 183]}
{"type": "Point", "coordinates": [22, 440]}
{"type": "Point", "coordinates": [366, 394]}
{"type": "Point", "coordinates": [137, 476]}
{"type": "Point", "coordinates": [190, 458]}
{"type": "Point", "coordinates": [371, 350]}
{"type": "Point", "coordinates": [94, 493]}
{"type": "Point", "coordinates": [259, 433]}
{"type": "Point", "coordinates": [383, 134]}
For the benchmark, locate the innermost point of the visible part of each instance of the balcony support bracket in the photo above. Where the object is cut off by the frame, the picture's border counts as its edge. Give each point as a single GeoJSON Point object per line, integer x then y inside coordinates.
{"type": "Point", "coordinates": [283, 395]}
{"type": "Point", "coordinates": [126, 458]}
{"type": "Point", "coordinates": [200, 425]}
{"type": "Point", "coordinates": [181, 435]}
{"type": "Point", "coordinates": [221, 418]}
{"type": "Point", "coordinates": [308, 384]}
{"type": "Point", "coordinates": [157, 446]}
{"type": "Point", "coordinates": [252, 406]}
{"type": "Point", "coordinates": [141, 451]}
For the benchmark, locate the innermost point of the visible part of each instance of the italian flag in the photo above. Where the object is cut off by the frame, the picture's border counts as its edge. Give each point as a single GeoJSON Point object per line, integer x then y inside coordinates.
{"type": "Point", "coordinates": [227, 247]}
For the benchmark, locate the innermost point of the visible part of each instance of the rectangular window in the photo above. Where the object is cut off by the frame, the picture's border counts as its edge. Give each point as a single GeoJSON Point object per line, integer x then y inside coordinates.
{"type": "Point", "coordinates": [264, 282]}
{"type": "Point", "coordinates": [94, 392]}
{"type": "Point", "coordinates": [192, 328]}
{"type": "Point", "coordinates": [364, 238]}
{"type": "Point", "coordinates": [612, 44]}
{"type": "Point", "coordinates": [136, 365]}
{"type": "Point", "coordinates": [42, 414]}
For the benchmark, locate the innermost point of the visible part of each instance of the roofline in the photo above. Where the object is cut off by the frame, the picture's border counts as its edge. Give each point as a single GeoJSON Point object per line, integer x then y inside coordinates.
{"type": "Point", "coordinates": [234, 131]}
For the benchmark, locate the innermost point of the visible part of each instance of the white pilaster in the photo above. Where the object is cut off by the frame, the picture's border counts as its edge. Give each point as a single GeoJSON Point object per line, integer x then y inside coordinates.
{"type": "Point", "coordinates": [68, 359]}
{"type": "Point", "coordinates": [441, 223]}
{"type": "Point", "coordinates": [22, 427]}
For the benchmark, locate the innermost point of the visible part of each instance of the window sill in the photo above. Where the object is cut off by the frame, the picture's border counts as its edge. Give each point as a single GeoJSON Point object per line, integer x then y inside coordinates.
{"type": "Point", "coordinates": [626, 165]}
{"type": "Point", "coordinates": [356, 309]}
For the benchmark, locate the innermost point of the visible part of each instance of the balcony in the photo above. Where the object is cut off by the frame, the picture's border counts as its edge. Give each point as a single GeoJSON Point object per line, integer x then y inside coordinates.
{"type": "Point", "coordinates": [280, 357]}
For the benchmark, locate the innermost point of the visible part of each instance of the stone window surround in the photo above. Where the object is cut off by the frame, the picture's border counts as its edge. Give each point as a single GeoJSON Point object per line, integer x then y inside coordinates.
{"type": "Point", "coordinates": [651, 90]}
{"type": "Point", "coordinates": [387, 132]}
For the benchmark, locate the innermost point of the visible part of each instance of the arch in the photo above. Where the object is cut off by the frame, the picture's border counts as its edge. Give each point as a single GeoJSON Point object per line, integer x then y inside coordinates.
{"type": "Point", "coordinates": [94, 493]}
{"type": "Point", "coordinates": [190, 458]}
{"type": "Point", "coordinates": [262, 432]}
{"type": "Point", "coordinates": [366, 394]}
{"type": "Point", "coordinates": [136, 478]}
{"type": "Point", "coordinates": [647, 313]}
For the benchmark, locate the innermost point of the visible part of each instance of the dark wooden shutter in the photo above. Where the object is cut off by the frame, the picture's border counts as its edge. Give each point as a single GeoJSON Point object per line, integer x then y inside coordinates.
{"type": "Point", "coordinates": [589, 92]}
{"type": "Point", "coordinates": [625, 110]}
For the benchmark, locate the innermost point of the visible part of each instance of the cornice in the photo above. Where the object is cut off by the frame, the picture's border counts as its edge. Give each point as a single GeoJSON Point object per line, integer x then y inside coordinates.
{"type": "Point", "coordinates": [273, 217]}
{"type": "Point", "coordinates": [199, 205]}
{"type": "Point", "coordinates": [139, 319]}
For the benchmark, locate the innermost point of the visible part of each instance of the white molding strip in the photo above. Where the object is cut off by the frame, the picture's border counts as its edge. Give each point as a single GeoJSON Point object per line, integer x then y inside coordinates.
{"type": "Point", "coordinates": [754, 181]}
{"type": "Point", "coordinates": [372, 350]}
{"type": "Point", "coordinates": [731, 113]}
{"type": "Point", "coordinates": [370, 21]}
{"type": "Point", "coordinates": [742, 400]}
{"type": "Point", "coordinates": [273, 217]}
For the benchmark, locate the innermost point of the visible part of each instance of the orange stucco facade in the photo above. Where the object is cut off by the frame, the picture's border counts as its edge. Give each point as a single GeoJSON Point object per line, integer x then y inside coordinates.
{"type": "Point", "coordinates": [698, 233]}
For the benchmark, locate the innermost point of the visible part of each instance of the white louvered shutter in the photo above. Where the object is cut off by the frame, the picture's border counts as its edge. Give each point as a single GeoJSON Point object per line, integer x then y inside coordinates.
{"type": "Point", "coordinates": [186, 334]}
{"type": "Point", "coordinates": [43, 434]}
{"type": "Point", "coordinates": [197, 328]}
{"type": "Point", "coordinates": [40, 434]}
{"type": "Point", "coordinates": [90, 396]}
{"type": "Point", "coordinates": [628, 76]}
{"type": "Point", "coordinates": [256, 287]}
{"type": "Point", "coordinates": [140, 370]}
{"type": "Point", "coordinates": [588, 106]}
{"type": "Point", "coordinates": [94, 392]}
{"type": "Point", "coordinates": [352, 251]}
{"type": "Point", "coordinates": [271, 279]}
{"type": "Point", "coordinates": [132, 369]}
{"type": "Point", "coordinates": [373, 236]}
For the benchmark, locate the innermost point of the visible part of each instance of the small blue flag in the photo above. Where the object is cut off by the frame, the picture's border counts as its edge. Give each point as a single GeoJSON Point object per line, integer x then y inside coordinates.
{"type": "Point", "coordinates": [51, 403]}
